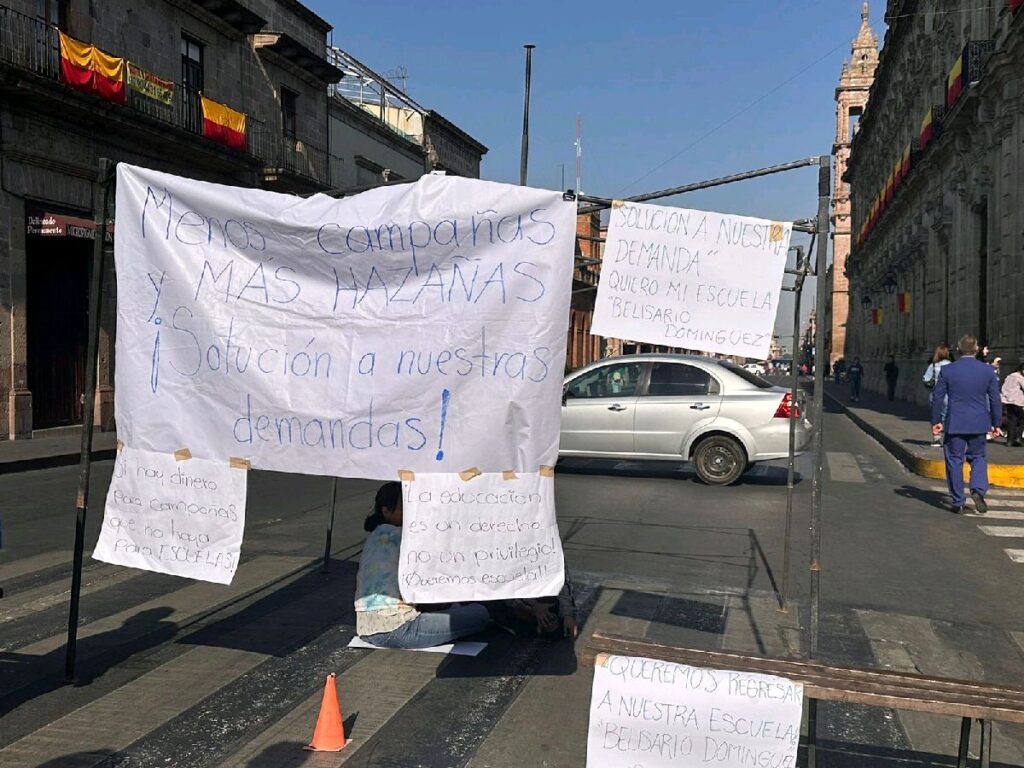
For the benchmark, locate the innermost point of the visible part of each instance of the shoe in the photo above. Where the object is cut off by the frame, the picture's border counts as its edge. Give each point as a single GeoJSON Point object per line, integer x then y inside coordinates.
{"type": "Point", "coordinates": [979, 503]}
{"type": "Point", "coordinates": [957, 510]}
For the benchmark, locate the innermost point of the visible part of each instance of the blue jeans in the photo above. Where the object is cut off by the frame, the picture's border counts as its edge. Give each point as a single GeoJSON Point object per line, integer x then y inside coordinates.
{"type": "Point", "coordinates": [956, 448]}
{"type": "Point", "coordinates": [435, 628]}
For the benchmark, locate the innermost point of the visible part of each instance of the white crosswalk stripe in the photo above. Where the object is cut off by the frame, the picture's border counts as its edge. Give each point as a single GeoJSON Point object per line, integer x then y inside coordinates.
{"type": "Point", "coordinates": [1017, 555]}
{"type": "Point", "coordinates": [995, 514]}
{"type": "Point", "coordinates": [1001, 493]}
{"type": "Point", "coordinates": [1005, 531]}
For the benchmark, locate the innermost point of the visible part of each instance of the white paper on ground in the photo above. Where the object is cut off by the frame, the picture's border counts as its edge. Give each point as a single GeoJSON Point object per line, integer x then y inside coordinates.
{"type": "Point", "coordinates": [692, 279]}
{"type": "Point", "coordinates": [185, 518]}
{"type": "Point", "coordinates": [658, 714]}
{"type": "Point", "coordinates": [419, 326]}
{"type": "Point", "coordinates": [486, 538]}
{"type": "Point", "coordinates": [461, 648]}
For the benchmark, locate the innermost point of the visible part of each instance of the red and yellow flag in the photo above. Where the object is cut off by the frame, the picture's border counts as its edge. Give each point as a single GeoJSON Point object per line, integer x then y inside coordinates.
{"type": "Point", "coordinates": [89, 69]}
{"type": "Point", "coordinates": [876, 316]}
{"type": "Point", "coordinates": [1016, 5]}
{"type": "Point", "coordinates": [955, 82]}
{"type": "Point", "coordinates": [903, 303]}
{"type": "Point", "coordinates": [223, 124]}
{"type": "Point", "coordinates": [926, 129]}
{"type": "Point", "coordinates": [905, 161]}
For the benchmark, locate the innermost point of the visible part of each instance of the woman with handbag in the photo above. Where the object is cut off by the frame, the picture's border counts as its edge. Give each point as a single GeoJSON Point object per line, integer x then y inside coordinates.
{"type": "Point", "coordinates": [931, 375]}
{"type": "Point", "coordinates": [1012, 395]}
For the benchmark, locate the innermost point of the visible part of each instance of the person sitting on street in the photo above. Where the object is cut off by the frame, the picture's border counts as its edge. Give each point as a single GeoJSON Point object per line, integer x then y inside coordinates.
{"type": "Point", "coordinates": [382, 617]}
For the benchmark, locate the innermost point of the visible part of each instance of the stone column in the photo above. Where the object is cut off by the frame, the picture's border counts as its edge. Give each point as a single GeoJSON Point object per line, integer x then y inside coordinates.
{"type": "Point", "coordinates": [19, 397]}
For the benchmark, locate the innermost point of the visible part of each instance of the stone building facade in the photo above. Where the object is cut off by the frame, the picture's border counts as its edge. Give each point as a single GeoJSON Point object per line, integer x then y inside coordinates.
{"type": "Point", "coordinates": [851, 98]}
{"type": "Point", "coordinates": [265, 58]}
{"type": "Point", "coordinates": [936, 174]}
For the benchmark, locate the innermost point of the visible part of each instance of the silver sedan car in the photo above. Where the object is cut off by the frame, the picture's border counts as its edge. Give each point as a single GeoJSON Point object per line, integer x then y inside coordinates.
{"type": "Point", "coordinates": [678, 407]}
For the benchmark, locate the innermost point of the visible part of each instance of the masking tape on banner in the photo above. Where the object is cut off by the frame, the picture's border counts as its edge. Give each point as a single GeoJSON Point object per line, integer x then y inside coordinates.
{"type": "Point", "coordinates": [601, 660]}
{"type": "Point", "coordinates": [182, 454]}
{"type": "Point", "coordinates": [236, 463]}
{"type": "Point", "coordinates": [469, 474]}
{"type": "Point", "coordinates": [509, 474]}
{"type": "Point", "coordinates": [618, 203]}
{"type": "Point", "coordinates": [776, 231]}
{"type": "Point", "coordinates": [406, 475]}
{"type": "Point", "coordinates": [120, 445]}
{"type": "Point", "coordinates": [546, 471]}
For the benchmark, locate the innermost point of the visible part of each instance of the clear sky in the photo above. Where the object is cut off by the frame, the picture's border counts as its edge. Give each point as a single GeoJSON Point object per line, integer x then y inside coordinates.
{"type": "Point", "coordinates": [669, 91]}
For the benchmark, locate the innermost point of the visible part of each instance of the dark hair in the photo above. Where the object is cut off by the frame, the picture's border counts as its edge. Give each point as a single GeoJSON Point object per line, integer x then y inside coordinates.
{"type": "Point", "coordinates": [941, 353]}
{"type": "Point", "coordinates": [388, 495]}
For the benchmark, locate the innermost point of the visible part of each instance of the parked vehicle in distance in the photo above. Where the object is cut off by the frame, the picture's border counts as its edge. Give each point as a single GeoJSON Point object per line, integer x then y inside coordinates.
{"type": "Point", "coordinates": [711, 412]}
{"type": "Point", "coordinates": [756, 368]}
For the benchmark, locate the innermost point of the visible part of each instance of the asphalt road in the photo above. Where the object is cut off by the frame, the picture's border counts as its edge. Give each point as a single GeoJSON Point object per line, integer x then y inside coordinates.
{"type": "Point", "coordinates": [905, 584]}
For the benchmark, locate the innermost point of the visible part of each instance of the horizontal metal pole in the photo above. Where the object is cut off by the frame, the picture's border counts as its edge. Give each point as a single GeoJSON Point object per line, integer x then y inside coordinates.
{"type": "Point", "coordinates": [600, 203]}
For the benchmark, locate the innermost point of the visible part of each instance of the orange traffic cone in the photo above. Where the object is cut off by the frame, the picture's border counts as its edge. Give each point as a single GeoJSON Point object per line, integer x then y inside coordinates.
{"type": "Point", "coordinates": [329, 735]}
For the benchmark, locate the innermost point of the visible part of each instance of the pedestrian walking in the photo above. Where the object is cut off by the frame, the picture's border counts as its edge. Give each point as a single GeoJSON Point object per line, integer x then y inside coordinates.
{"type": "Point", "coordinates": [1012, 395]}
{"type": "Point", "coordinates": [940, 359]}
{"type": "Point", "coordinates": [854, 374]}
{"type": "Point", "coordinates": [974, 410]}
{"type": "Point", "coordinates": [892, 373]}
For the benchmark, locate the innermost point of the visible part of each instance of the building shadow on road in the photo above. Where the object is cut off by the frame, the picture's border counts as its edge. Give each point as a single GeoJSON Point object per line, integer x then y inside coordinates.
{"type": "Point", "coordinates": [843, 754]}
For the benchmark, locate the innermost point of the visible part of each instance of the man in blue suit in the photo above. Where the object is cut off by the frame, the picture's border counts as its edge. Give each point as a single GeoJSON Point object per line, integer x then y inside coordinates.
{"type": "Point", "coordinates": [974, 411]}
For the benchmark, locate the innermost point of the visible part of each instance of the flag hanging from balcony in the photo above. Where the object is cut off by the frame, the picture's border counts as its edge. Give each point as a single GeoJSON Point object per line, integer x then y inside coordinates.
{"type": "Point", "coordinates": [149, 85]}
{"type": "Point", "coordinates": [876, 316]}
{"type": "Point", "coordinates": [927, 129]}
{"type": "Point", "coordinates": [87, 68]}
{"type": "Point", "coordinates": [223, 124]}
{"type": "Point", "coordinates": [955, 82]}
{"type": "Point", "coordinates": [903, 303]}
{"type": "Point", "coordinates": [905, 162]}
{"type": "Point", "coordinates": [1016, 5]}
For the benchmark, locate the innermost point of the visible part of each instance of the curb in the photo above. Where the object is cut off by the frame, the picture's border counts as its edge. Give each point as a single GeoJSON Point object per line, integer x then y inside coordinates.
{"type": "Point", "coordinates": [57, 460]}
{"type": "Point", "coordinates": [1004, 475]}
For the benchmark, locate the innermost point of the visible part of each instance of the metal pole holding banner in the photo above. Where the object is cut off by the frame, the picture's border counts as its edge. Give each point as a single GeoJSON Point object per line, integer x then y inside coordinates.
{"type": "Point", "coordinates": [798, 290]}
{"type": "Point", "coordinates": [599, 203]}
{"type": "Point", "coordinates": [102, 197]}
{"type": "Point", "coordinates": [330, 525]}
{"type": "Point", "coordinates": [818, 455]}
{"type": "Point", "coordinates": [524, 152]}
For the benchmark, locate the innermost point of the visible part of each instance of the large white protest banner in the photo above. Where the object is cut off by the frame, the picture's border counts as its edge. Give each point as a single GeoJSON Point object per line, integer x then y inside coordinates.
{"type": "Point", "coordinates": [691, 279]}
{"type": "Point", "coordinates": [490, 537]}
{"type": "Point", "coordinates": [420, 325]}
{"type": "Point", "coordinates": [658, 714]}
{"type": "Point", "coordinates": [184, 518]}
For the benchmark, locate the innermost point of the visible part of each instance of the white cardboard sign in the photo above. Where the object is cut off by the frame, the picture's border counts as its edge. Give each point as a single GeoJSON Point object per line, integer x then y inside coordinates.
{"type": "Point", "coordinates": [691, 279]}
{"type": "Point", "coordinates": [657, 714]}
{"type": "Point", "coordinates": [417, 326]}
{"type": "Point", "coordinates": [486, 538]}
{"type": "Point", "coordinates": [184, 518]}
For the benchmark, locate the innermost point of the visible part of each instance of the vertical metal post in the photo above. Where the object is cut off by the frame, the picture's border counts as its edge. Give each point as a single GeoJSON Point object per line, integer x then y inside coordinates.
{"type": "Point", "coordinates": [330, 525]}
{"type": "Point", "coordinates": [818, 453]}
{"type": "Point", "coordinates": [524, 152]}
{"type": "Point", "coordinates": [965, 743]}
{"type": "Point", "coordinates": [812, 733]}
{"type": "Point", "coordinates": [798, 291]}
{"type": "Point", "coordinates": [985, 751]}
{"type": "Point", "coordinates": [102, 195]}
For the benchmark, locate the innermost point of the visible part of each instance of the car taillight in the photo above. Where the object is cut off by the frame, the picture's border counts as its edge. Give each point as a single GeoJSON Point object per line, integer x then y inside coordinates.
{"type": "Point", "coordinates": [787, 408]}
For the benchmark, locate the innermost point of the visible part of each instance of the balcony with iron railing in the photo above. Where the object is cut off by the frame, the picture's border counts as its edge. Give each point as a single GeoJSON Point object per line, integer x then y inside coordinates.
{"type": "Point", "coordinates": [30, 45]}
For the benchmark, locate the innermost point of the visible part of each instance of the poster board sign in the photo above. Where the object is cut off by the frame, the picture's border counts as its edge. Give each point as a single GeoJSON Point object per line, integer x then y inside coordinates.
{"type": "Point", "coordinates": [184, 518]}
{"type": "Point", "coordinates": [691, 279]}
{"type": "Point", "coordinates": [490, 537]}
{"type": "Point", "coordinates": [417, 326]}
{"type": "Point", "coordinates": [658, 714]}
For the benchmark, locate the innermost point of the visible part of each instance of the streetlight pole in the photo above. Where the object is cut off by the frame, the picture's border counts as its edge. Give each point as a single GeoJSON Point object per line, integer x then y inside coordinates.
{"type": "Point", "coordinates": [525, 149]}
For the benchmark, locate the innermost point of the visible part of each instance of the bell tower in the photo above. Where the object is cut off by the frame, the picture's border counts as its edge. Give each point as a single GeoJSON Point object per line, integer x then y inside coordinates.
{"type": "Point", "coordinates": [851, 98]}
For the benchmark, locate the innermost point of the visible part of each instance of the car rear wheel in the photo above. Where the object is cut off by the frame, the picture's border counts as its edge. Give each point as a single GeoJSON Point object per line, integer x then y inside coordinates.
{"type": "Point", "coordinates": [719, 460]}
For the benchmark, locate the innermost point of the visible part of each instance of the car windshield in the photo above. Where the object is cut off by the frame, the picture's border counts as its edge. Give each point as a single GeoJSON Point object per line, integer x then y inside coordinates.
{"type": "Point", "coordinates": [743, 373]}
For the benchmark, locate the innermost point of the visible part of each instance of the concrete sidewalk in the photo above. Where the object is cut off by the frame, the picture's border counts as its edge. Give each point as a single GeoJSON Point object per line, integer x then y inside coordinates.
{"type": "Point", "coordinates": [904, 430]}
{"type": "Point", "coordinates": [58, 450]}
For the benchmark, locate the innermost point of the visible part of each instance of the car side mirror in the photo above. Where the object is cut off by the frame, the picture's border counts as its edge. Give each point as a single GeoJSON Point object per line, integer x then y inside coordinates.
{"type": "Point", "coordinates": [565, 395]}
